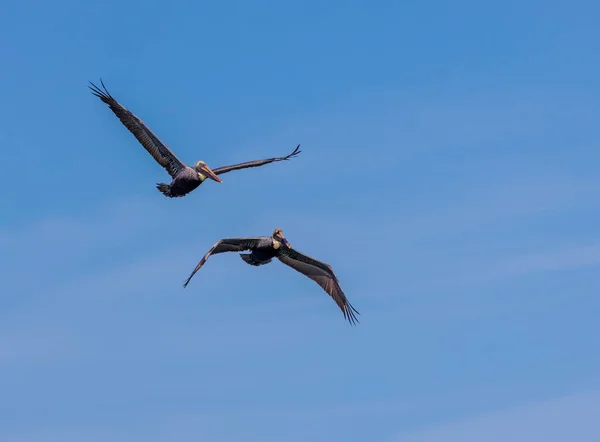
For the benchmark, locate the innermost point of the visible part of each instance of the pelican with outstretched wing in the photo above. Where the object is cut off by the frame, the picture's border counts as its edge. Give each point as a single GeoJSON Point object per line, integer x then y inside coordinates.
{"type": "Point", "coordinates": [264, 248]}
{"type": "Point", "coordinates": [184, 178]}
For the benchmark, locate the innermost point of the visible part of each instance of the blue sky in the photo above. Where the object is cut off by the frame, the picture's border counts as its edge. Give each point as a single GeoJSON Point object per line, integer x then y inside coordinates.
{"type": "Point", "coordinates": [449, 174]}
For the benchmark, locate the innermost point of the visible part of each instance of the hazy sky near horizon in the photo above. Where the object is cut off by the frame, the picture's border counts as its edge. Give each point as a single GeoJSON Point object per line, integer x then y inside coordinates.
{"type": "Point", "coordinates": [449, 175]}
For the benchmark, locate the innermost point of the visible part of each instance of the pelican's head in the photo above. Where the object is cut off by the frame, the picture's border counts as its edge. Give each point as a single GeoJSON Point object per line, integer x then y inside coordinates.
{"type": "Point", "coordinates": [280, 237]}
{"type": "Point", "coordinates": [204, 172]}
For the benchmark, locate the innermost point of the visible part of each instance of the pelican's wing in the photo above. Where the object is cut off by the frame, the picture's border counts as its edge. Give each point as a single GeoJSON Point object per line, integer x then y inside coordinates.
{"type": "Point", "coordinates": [161, 153]}
{"type": "Point", "coordinates": [225, 169]}
{"type": "Point", "coordinates": [226, 245]}
{"type": "Point", "coordinates": [323, 275]}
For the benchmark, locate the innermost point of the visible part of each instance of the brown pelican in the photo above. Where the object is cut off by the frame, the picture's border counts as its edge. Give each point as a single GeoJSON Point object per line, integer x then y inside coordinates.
{"type": "Point", "coordinates": [265, 248]}
{"type": "Point", "coordinates": [185, 178]}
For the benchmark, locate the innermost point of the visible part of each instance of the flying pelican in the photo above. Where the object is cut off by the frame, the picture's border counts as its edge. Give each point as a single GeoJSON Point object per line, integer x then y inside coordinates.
{"type": "Point", "coordinates": [185, 178]}
{"type": "Point", "coordinates": [265, 248]}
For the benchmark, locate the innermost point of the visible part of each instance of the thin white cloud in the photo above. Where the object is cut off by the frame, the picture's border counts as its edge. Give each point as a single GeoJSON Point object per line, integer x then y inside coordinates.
{"type": "Point", "coordinates": [45, 247]}
{"type": "Point", "coordinates": [147, 277]}
{"type": "Point", "coordinates": [33, 347]}
{"type": "Point", "coordinates": [54, 246]}
{"type": "Point", "coordinates": [401, 125]}
{"type": "Point", "coordinates": [240, 423]}
{"type": "Point", "coordinates": [565, 419]}
{"type": "Point", "coordinates": [562, 259]}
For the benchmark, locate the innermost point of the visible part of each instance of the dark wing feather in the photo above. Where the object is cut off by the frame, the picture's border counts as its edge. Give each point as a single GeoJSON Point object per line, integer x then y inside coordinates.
{"type": "Point", "coordinates": [226, 245]}
{"type": "Point", "coordinates": [159, 151]}
{"type": "Point", "coordinates": [323, 275]}
{"type": "Point", "coordinates": [225, 169]}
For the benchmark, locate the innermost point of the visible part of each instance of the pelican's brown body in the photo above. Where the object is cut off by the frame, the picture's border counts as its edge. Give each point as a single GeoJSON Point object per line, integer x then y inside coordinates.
{"type": "Point", "coordinates": [184, 182]}
{"type": "Point", "coordinates": [184, 178]}
{"type": "Point", "coordinates": [264, 248]}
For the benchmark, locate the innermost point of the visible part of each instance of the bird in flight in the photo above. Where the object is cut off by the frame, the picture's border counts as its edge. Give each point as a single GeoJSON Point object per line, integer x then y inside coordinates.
{"type": "Point", "coordinates": [264, 248]}
{"type": "Point", "coordinates": [184, 178]}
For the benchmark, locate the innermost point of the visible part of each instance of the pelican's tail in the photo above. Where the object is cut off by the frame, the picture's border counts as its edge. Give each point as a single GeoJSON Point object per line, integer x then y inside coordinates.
{"type": "Point", "coordinates": [165, 189]}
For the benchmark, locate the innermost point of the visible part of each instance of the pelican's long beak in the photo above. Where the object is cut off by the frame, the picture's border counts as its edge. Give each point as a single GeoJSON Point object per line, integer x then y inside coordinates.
{"type": "Point", "coordinates": [285, 242]}
{"type": "Point", "coordinates": [210, 174]}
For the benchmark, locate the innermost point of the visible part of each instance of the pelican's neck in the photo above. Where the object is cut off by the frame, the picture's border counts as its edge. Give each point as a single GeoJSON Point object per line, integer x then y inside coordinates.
{"type": "Point", "coordinates": [276, 244]}
{"type": "Point", "coordinates": [201, 176]}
